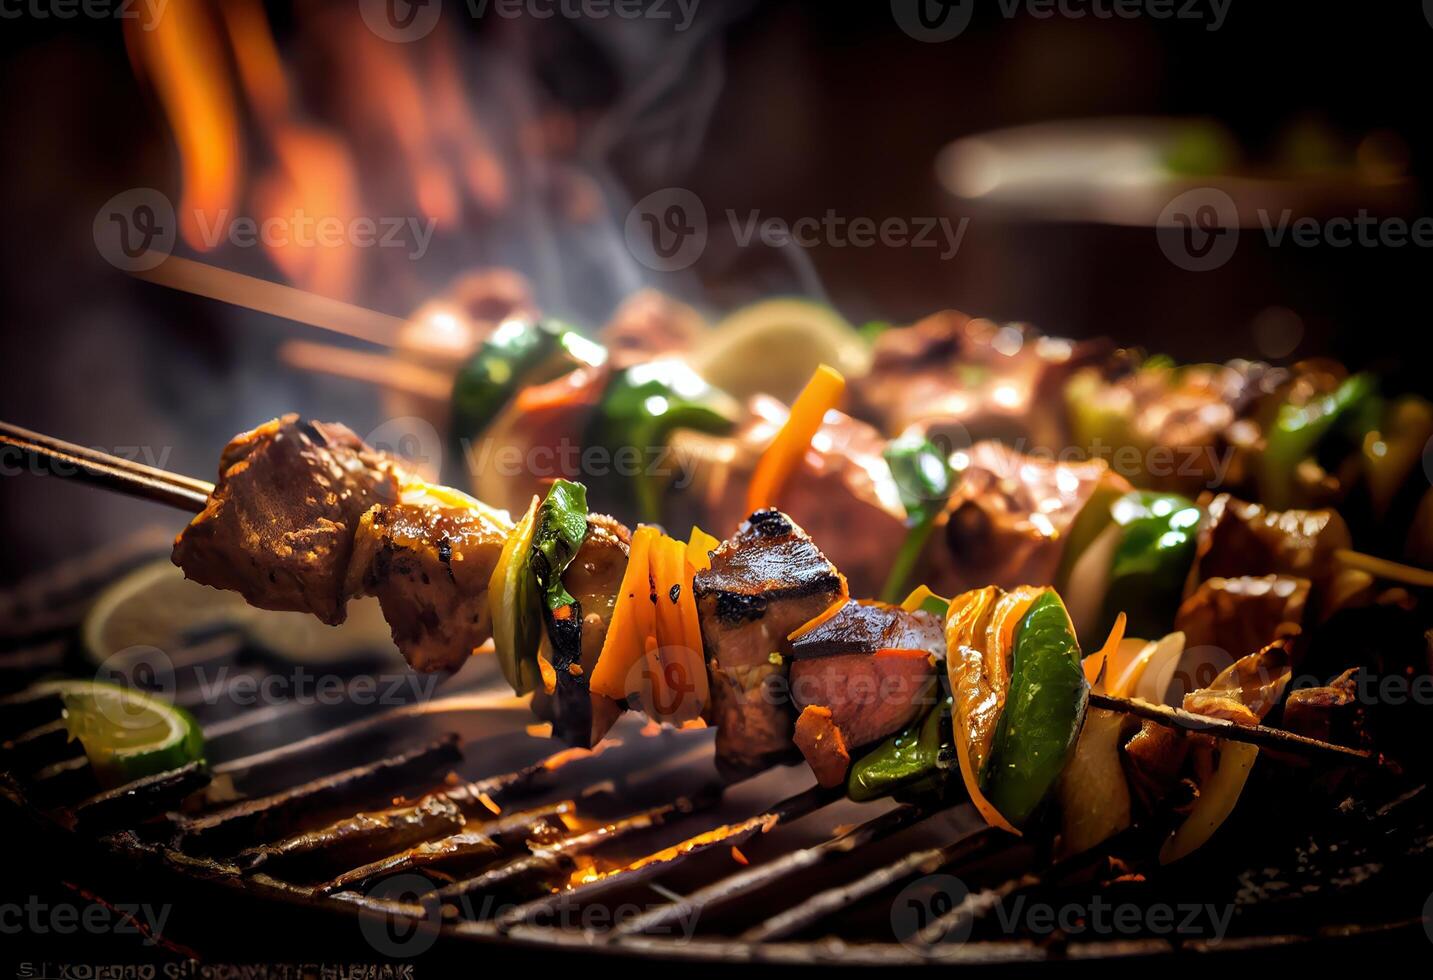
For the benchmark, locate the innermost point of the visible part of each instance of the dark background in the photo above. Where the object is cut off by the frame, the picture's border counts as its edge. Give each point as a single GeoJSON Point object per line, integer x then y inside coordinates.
{"type": "Point", "coordinates": [790, 107]}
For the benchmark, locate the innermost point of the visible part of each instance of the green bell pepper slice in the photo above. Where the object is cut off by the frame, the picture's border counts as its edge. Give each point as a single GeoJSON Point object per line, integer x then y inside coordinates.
{"type": "Point", "coordinates": [640, 409]}
{"type": "Point", "coordinates": [914, 764]}
{"type": "Point", "coordinates": [1045, 707]}
{"type": "Point", "coordinates": [560, 530]}
{"type": "Point", "coordinates": [1157, 544]}
{"type": "Point", "coordinates": [518, 353]}
{"type": "Point", "coordinates": [1296, 432]}
{"type": "Point", "coordinates": [924, 480]}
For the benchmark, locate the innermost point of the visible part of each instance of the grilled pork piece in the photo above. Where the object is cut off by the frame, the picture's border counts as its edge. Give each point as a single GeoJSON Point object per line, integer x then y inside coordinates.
{"type": "Point", "coordinates": [428, 559]}
{"type": "Point", "coordinates": [764, 582]}
{"type": "Point", "coordinates": [1241, 615]}
{"type": "Point", "coordinates": [980, 380]}
{"type": "Point", "coordinates": [594, 578]}
{"type": "Point", "coordinates": [1007, 521]}
{"type": "Point", "coordinates": [865, 626]}
{"type": "Point", "coordinates": [649, 325]}
{"type": "Point", "coordinates": [841, 483]}
{"type": "Point", "coordinates": [1247, 539]}
{"type": "Point", "coordinates": [872, 666]}
{"type": "Point", "coordinates": [1333, 713]}
{"type": "Point", "coordinates": [279, 527]}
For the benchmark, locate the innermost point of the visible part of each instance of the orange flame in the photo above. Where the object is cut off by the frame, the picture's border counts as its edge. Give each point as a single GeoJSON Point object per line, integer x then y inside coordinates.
{"type": "Point", "coordinates": [183, 54]}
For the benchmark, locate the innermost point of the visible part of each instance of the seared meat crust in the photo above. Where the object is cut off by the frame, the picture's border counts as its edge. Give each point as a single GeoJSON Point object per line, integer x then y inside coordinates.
{"type": "Point", "coordinates": [429, 566]}
{"type": "Point", "coordinates": [279, 527]}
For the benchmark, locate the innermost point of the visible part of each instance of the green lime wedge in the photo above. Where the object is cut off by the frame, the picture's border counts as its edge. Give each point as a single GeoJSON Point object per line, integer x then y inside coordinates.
{"type": "Point", "coordinates": [127, 734]}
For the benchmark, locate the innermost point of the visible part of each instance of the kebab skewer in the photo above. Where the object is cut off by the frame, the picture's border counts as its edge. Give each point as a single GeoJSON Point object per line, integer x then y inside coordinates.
{"type": "Point", "coordinates": [291, 490]}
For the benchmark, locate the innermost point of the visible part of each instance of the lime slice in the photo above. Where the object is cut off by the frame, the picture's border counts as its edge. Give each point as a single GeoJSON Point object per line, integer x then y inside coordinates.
{"type": "Point", "coordinates": [155, 606]}
{"type": "Point", "coordinates": [126, 733]}
{"type": "Point", "coordinates": [775, 345]}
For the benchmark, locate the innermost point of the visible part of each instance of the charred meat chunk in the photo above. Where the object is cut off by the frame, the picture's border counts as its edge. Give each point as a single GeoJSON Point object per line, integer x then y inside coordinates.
{"type": "Point", "coordinates": [1242, 615]}
{"type": "Point", "coordinates": [1241, 538]}
{"type": "Point", "coordinates": [871, 666]}
{"type": "Point", "coordinates": [976, 379]}
{"type": "Point", "coordinates": [764, 582]}
{"type": "Point", "coordinates": [428, 561]}
{"type": "Point", "coordinates": [279, 527]}
{"type": "Point", "coordinates": [864, 626]}
{"type": "Point", "coordinates": [1008, 519]}
{"type": "Point", "coordinates": [842, 482]}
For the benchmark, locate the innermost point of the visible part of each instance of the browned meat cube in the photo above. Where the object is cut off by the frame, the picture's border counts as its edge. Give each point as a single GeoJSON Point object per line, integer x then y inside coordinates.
{"type": "Point", "coordinates": [869, 695]}
{"type": "Point", "coordinates": [1332, 713]}
{"type": "Point", "coordinates": [842, 482]}
{"type": "Point", "coordinates": [428, 559]}
{"type": "Point", "coordinates": [974, 379]}
{"type": "Point", "coordinates": [279, 527]}
{"type": "Point", "coordinates": [866, 626]}
{"type": "Point", "coordinates": [1239, 616]}
{"type": "Point", "coordinates": [872, 666]}
{"type": "Point", "coordinates": [1007, 521]}
{"type": "Point", "coordinates": [764, 582]}
{"type": "Point", "coordinates": [1247, 539]}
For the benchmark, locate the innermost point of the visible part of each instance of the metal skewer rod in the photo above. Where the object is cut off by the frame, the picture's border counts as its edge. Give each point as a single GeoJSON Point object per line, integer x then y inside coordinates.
{"type": "Point", "coordinates": [108, 471]}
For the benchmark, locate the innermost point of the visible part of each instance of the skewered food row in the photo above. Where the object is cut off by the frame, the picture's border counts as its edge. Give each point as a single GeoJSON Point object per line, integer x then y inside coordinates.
{"type": "Point", "coordinates": [1034, 427]}
{"type": "Point", "coordinates": [756, 634]}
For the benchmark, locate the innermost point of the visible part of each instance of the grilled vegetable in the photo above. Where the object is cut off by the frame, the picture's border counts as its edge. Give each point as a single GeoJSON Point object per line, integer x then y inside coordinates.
{"type": "Point", "coordinates": [1296, 433]}
{"type": "Point", "coordinates": [821, 394]}
{"type": "Point", "coordinates": [560, 528]}
{"type": "Point", "coordinates": [1043, 712]}
{"type": "Point", "coordinates": [513, 601]}
{"type": "Point", "coordinates": [640, 408]}
{"type": "Point", "coordinates": [914, 763]}
{"type": "Point", "coordinates": [519, 353]}
{"type": "Point", "coordinates": [1156, 547]}
{"type": "Point", "coordinates": [924, 480]}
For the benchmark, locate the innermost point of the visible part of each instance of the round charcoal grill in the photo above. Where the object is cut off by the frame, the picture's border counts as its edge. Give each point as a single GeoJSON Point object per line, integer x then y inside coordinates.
{"type": "Point", "coordinates": [439, 822]}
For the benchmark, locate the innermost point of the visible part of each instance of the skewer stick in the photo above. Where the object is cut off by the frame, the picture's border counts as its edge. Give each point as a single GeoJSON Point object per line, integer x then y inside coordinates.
{"type": "Point", "coordinates": [273, 298]}
{"type": "Point", "coordinates": [1393, 571]}
{"type": "Point", "coordinates": [187, 493]}
{"type": "Point", "coordinates": [108, 471]}
{"type": "Point", "coordinates": [377, 369]}
{"type": "Point", "coordinates": [1269, 738]}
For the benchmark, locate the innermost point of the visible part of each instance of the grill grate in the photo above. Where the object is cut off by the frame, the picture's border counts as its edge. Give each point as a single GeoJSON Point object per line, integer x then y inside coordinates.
{"type": "Point", "coordinates": [493, 841]}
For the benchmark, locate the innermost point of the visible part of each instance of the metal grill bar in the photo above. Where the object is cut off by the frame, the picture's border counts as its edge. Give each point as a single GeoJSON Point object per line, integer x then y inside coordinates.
{"type": "Point", "coordinates": [554, 857]}
{"type": "Point", "coordinates": [792, 808]}
{"type": "Point", "coordinates": [751, 880]}
{"type": "Point", "coordinates": [826, 903]}
{"type": "Point", "coordinates": [269, 816]}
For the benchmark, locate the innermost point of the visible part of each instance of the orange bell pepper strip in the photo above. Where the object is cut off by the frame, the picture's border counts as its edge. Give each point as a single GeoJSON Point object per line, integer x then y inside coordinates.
{"type": "Point", "coordinates": [779, 461]}
{"type": "Point", "coordinates": [632, 622]}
